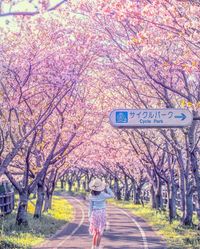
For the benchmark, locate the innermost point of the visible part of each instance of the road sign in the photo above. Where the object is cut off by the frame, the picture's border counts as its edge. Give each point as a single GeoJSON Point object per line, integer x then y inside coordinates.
{"type": "Point", "coordinates": [151, 118]}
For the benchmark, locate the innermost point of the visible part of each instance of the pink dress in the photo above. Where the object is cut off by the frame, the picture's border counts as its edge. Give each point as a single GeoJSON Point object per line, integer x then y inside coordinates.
{"type": "Point", "coordinates": [97, 211]}
{"type": "Point", "coordinates": [97, 221]}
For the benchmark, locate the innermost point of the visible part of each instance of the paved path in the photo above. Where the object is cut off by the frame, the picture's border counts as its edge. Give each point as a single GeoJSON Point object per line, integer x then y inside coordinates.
{"type": "Point", "coordinates": [124, 231]}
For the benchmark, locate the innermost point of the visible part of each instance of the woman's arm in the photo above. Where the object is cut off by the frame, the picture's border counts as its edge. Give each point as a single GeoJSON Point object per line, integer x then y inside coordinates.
{"type": "Point", "coordinates": [90, 208]}
{"type": "Point", "coordinates": [109, 193]}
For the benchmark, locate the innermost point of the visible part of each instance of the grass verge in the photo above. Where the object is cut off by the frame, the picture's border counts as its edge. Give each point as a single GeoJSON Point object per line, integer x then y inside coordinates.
{"type": "Point", "coordinates": [176, 236]}
{"type": "Point", "coordinates": [39, 229]}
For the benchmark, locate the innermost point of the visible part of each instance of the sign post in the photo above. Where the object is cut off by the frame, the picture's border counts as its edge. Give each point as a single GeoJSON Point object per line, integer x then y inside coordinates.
{"type": "Point", "coordinates": [151, 118]}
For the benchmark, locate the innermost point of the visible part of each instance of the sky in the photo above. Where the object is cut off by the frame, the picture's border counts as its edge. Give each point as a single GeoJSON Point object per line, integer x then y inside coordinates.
{"type": "Point", "coordinates": [22, 6]}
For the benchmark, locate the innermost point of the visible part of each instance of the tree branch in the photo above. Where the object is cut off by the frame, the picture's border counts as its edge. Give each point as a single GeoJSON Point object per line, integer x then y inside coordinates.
{"type": "Point", "coordinates": [32, 13]}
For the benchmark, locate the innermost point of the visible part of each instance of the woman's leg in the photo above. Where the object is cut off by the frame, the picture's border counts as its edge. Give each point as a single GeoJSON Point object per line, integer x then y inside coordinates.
{"type": "Point", "coordinates": [94, 241]}
{"type": "Point", "coordinates": [98, 239]}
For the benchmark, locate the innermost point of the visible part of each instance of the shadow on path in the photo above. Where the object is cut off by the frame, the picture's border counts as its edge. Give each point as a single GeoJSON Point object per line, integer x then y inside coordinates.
{"type": "Point", "coordinates": [123, 232]}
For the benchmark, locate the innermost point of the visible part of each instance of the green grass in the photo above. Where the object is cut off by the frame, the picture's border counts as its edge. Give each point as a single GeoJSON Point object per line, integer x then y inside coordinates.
{"type": "Point", "coordinates": [14, 237]}
{"type": "Point", "coordinates": [176, 236]}
{"type": "Point", "coordinates": [74, 189]}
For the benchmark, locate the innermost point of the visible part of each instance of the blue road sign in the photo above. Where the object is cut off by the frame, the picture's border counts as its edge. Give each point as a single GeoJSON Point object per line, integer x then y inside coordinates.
{"type": "Point", "coordinates": [147, 118]}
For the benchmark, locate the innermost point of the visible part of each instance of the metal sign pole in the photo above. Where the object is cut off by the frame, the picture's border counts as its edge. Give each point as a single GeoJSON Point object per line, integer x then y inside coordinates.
{"type": "Point", "coordinates": [196, 118]}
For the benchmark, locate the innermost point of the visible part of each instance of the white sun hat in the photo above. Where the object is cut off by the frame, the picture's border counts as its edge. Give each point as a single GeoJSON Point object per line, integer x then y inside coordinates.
{"type": "Point", "coordinates": [97, 185]}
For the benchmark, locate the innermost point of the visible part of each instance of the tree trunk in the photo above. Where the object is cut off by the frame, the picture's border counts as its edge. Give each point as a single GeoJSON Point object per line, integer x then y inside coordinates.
{"type": "Point", "coordinates": [110, 181]}
{"type": "Point", "coordinates": [35, 193]}
{"type": "Point", "coordinates": [48, 201]}
{"type": "Point", "coordinates": [152, 197]}
{"type": "Point", "coordinates": [117, 190]}
{"type": "Point", "coordinates": [84, 185]}
{"type": "Point", "coordinates": [126, 191]}
{"type": "Point", "coordinates": [70, 185]}
{"type": "Point", "coordinates": [187, 219]}
{"type": "Point", "coordinates": [159, 199]}
{"type": "Point", "coordinates": [193, 153]}
{"type": "Point", "coordinates": [40, 201]}
{"type": "Point", "coordinates": [171, 201]}
{"type": "Point", "coordinates": [182, 192]}
{"type": "Point", "coordinates": [21, 218]}
{"type": "Point", "coordinates": [137, 193]}
{"type": "Point", "coordinates": [87, 181]}
{"type": "Point", "coordinates": [127, 195]}
{"type": "Point", "coordinates": [196, 174]}
{"type": "Point", "coordinates": [78, 184]}
{"type": "Point", "coordinates": [62, 183]}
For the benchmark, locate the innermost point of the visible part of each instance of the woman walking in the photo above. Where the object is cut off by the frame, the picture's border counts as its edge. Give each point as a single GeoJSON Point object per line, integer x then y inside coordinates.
{"type": "Point", "coordinates": [97, 210]}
